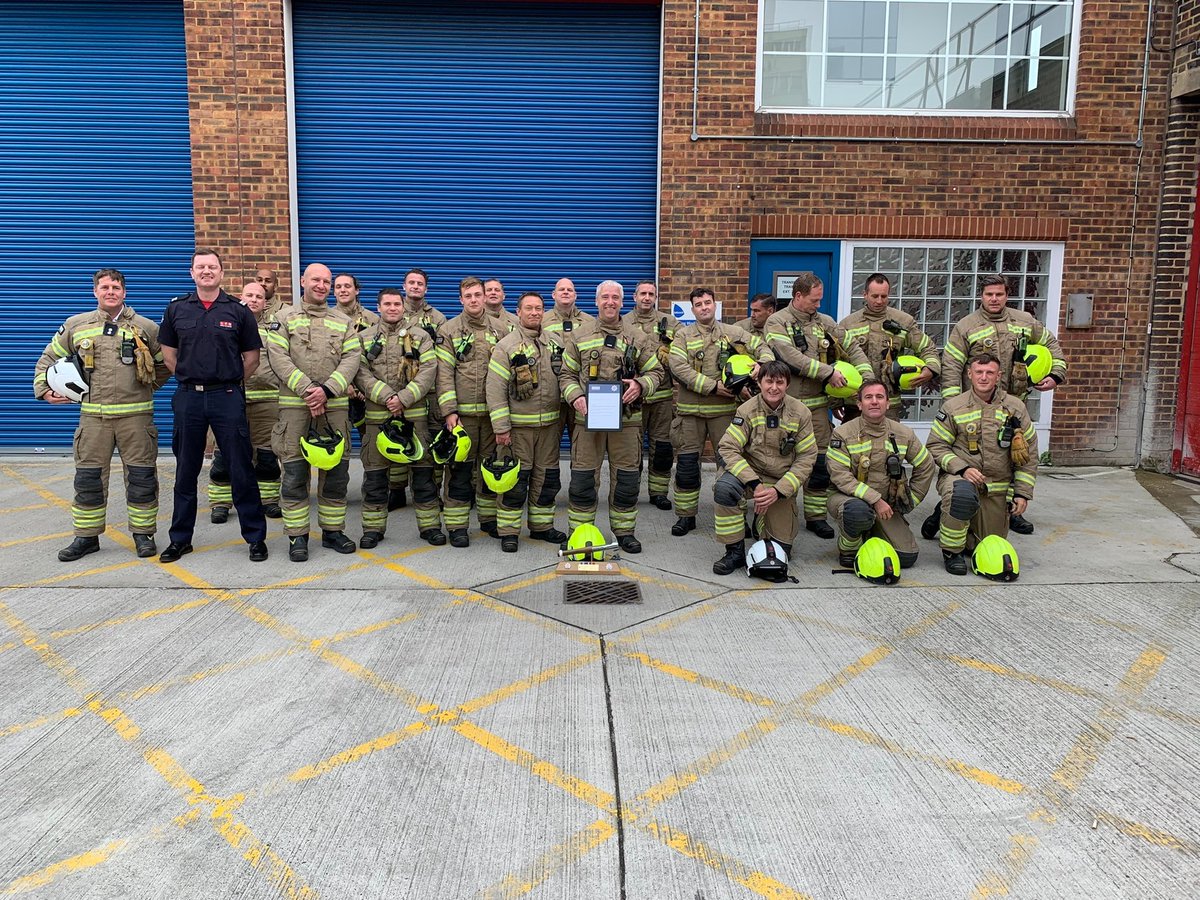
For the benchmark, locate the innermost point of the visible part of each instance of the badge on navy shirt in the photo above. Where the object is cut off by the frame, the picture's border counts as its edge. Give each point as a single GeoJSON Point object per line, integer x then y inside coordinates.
{"type": "Point", "coordinates": [225, 323]}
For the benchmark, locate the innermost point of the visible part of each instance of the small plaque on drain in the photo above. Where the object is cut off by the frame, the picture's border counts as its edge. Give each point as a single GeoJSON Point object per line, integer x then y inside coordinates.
{"type": "Point", "coordinates": [606, 591]}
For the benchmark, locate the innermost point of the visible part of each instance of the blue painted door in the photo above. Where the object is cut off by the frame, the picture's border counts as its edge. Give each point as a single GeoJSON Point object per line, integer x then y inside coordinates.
{"type": "Point", "coordinates": [774, 263]}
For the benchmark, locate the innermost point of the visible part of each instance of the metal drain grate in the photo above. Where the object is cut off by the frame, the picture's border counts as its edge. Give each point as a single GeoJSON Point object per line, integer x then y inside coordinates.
{"type": "Point", "coordinates": [607, 591]}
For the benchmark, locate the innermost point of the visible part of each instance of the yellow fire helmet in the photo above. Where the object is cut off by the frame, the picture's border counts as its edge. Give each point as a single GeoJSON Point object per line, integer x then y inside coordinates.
{"type": "Point", "coordinates": [398, 442]}
{"type": "Point", "coordinates": [583, 537]}
{"type": "Point", "coordinates": [736, 373]}
{"type": "Point", "coordinates": [996, 559]}
{"type": "Point", "coordinates": [877, 562]}
{"type": "Point", "coordinates": [853, 381]}
{"type": "Point", "coordinates": [450, 445]}
{"type": "Point", "coordinates": [1037, 362]}
{"type": "Point", "coordinates": [906, 370]}
{"type": "Point", "coordinates": [500, 474]}
{"type": "Point", "coordinates": [323, 449]}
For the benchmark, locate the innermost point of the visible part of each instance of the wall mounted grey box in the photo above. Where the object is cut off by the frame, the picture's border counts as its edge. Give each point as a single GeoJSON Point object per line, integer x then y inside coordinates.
{"type": "Point", "coordinates": [1079, 310]}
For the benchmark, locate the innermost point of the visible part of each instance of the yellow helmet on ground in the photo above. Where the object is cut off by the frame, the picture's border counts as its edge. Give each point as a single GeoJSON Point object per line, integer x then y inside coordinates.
{"type": "Point", "coordinates": [323, 449]}
{"type": "Point", "coordinates": [905, 370]}
{"type": "Point", "coordinates": [877, 562]}
{"type": "Point", "coordinates": [853, 378]}
{"type": "Point", "coordinates": [1038, 362]}
{"type": "Point", "coordinates": [397, 441]}
{"type": "Point", "coordinates": [500, 475]}
{"type": "Point", "coordinates": [583, 537]}
{"type": "Point", "coordinates": [996, 559]}
{"type": "Point", "coordinates": [450, 445]}
{"type": "Point", "coordinates": [736, 372]}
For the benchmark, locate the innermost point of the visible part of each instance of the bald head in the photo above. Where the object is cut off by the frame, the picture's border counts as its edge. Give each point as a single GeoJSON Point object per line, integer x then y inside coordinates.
{"type": "Point", "coordinates": [254, 297]}
{"type": "Point", "coordinates": [316, 282]}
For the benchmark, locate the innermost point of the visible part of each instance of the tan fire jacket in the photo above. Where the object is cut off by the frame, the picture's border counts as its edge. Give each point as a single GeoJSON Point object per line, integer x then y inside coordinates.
{"type": "Point", "coordinates": [396, 361]}
{"type": "Point", "coordinates": [464, 349]}
{"type": "Point", "coordinates": [999, 335]}
{"type": "Point", "coordinates": [312, 345]}
{"type": "Point", "coordinates": [966, 434]}
{"type": "Point", "coordinates": [811, 344]}
{"type": "Point", "coordinates": [660, 328]}
{"type": "Point", "coordinates": [857, 463]}
{"type": "Point", "coordinates": [541, 407]}
{"type": "Point", "coordinates": [774, 446]}
{"type": "Point", "coordinates": [698, 355]}
{"type": "Point", "coordinates": [598, 352]}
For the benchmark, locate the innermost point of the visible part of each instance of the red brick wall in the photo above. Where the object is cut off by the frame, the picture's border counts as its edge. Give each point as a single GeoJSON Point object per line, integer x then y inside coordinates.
{"type": "Point", "coordinates": [238, 114]}
{"type": "Point", "coordinates": [718, 193]}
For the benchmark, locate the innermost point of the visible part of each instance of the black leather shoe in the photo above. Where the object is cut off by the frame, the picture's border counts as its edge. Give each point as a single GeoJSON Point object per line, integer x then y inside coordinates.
{"type": "Point", "coordinates": [820, 528]}
{"type": "Point", "coordinates": [370, 540]}
{"type": "Point", "coordinates": [509, 543]}
{"type": "Point", "coordinates": [397, 499]}
{"type": "Point", "coordinates": [929, 528]}
{"type": "Point", "coordinates": [956, 563]}
{"type": "Point", "coordinates": [734, 559]}
{"type": "Point", "coordinates": [219, 515]}
{"type": "Point", "coordinates": [550, 536]}
{"type": "Point", "coordinates": [489, 528]}
{"type": "Point", "coordinates": [435, 536]}
{"type": "Point", "coordinates": [662, 501]}
{"type": "Point", "coordinates": [174, 551]}
{"type": "Point", "coordinates": [298, 547]}
{"type": "Point", "coordinates": [144, 544]}
{"type": "Point", "coordinates": [79, 548]}
{"type": "Point", "coordinates": [272, 511]}
{"type": "Point", "coordinates": [460, 538]}
{"type": "Point", "coordinates": [258, 551]}
{"type": "Point", "coordinates": [1020, 525]}
{"type": "Point", "coordinates": [629, 543]}
{"type": "Point", "coordinates": [337, 540]}
{"type": "Point", "coordinates": [683, 525]}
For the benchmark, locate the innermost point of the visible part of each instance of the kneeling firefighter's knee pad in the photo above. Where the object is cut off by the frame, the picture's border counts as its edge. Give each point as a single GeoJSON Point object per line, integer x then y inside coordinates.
{"type": "Point", "coordinates": [143, 485]}
{"type": "Point", "coordinates": [625, 494]}
{"type": "Point", "coordinates": [857, 517]}
{"type": "Point", "coordinates": [964, 502]}
{"type": "Point", "coordinates": [550, 487]}
{"type": "Point", "coordinates": [728, 491]}
{"type": "Point", "coordinates": [375, 487]}
{"type": "Point", "coordinates": [687, 471]}
{"type": "Point", "coordinates": [582, 491]}
{"type": "Point", "coordinates": [460, 487]}
{"type": "Point", "coordinates": [423, 488]}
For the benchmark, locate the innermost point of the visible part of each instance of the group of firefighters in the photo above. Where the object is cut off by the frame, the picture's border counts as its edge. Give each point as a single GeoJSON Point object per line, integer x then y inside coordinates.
{"type": "Point", "coordinates": [469, 412]}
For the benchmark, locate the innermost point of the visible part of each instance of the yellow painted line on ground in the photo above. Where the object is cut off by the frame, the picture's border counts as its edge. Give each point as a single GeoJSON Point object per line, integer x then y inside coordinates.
{"type": "Point", "coordinates": [236, 665]}
{"type": "Point", "coordinates": [1071, 772]}
{"type": "Point", "coordinates": [524, 684]}
{"type": "Point", "coordinates": [550, 863]}
{"type": "Point", "coordinates": [365, 630]}
{"type": "Point", "coordinates": [1003, 671]}
{"type": "Point", "coordinates": [69, 713]}
{"type": "Point", "coordinates": [360, 751]}
{"type": "Point", "coordinates": [751, 879]}
{"type": "Point", "coordinates": [37, 538]}
{"type": "Point", "coordinates": [526, 582]}
{"type": "Point", "coordinates": [419, 577]}
{"type": "Point", "coordinates": [207, 548]}
{"type": "Point", "coordinates": [824, 624]}
{"type": "Point", "coordinates": [30, 508]}
{"type": "Point", "coordinates": [672, 622]}
{"type": "Point", "coordinates": [11, 645]}
{"type": "Point", "coordinates": [713, 684]}
{"type": "Point", "coordinates": [1150, 835]}
{"type": "Point", "coordinates": [543, 769]}
{"type": "Point", "coordinates": [50, 497]}
{"type": "Point", "coordinates": [71, 576]}
{"type": "Point", "coordinates": [79, 863]}
{"type": "Point", "coordinates": [239, 836]}
{"type": "Point", "coordinates": [658, 581]}
{"type": "Point", "coordinates": [570, 632]}
{"type": "Point", "coordinates": [133, 617]}
{"type": "Point", "coordinates": [321, 576]}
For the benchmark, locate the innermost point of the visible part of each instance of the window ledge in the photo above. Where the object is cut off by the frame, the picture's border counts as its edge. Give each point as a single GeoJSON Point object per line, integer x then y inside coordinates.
{"type": "Point", "coordinates": [948, 127]}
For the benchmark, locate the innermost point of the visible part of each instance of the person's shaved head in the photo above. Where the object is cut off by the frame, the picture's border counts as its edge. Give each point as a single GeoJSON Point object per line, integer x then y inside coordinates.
{"type": "Point", "coordinates": [316, 283]}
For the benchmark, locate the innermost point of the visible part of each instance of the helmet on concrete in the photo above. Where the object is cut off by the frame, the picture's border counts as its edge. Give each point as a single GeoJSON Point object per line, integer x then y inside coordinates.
{"type": "Point", "coordinates": [853, 378]}
{"type": "Point", "coordinates": [398, 441]}
{"type": "Point", "coordinates": [768, 560]}
{"type": "Point", "coordinates": [905, 370]}
{"type": "Point", "coordinates": [66, 378]}
{"type": "Point", "coordinates": [450, 445]}
{"type": "Point", "coordinates": [1038, 362]}
{"type": "Point", "coordinates": [877, 562]}
{"type": "Point", "coordinates": [500, 474]}
{"type": "Point", "coordinates": [583, 537]}
{"type": "Point", "coordinates": [323, 448]}
{"type": "Point", "coordinates": [736, 373]}
{"type": "Point", "coordinates": [996, 559]}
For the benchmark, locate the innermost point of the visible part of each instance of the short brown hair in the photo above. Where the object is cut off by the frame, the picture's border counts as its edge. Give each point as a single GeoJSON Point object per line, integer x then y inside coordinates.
{"type": "Point", "coordinates": [775, 367]}
{"type": "Point", "coordinates": [115, 274]}
{"type": "Point", "coordinates": [993, 281]}
{"type": "Point", "coordinates": [805, 284]}
{"type": "Point", "coordinates": [874, 382]}
{"type": "Point", "coordinates": [540, 298]}
{"type": "Point", "coordinates": [984, 359]}
{"type": "Point", "coordinates": [206, 251]}
{"type": "Point", "coordinates": [469, 282]}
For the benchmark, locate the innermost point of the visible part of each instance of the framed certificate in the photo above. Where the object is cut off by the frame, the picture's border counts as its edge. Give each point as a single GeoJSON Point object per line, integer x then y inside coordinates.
{"type": "Point", "coordinates": [604, 405]}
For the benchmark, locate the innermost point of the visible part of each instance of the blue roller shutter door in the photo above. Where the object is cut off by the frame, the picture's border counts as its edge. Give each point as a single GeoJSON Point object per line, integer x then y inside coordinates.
{"type": "Point", "coordinates": [95, 170]}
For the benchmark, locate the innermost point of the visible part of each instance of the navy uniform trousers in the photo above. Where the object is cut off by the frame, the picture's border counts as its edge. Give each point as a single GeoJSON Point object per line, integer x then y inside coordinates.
{"type": "Point", "coordinates": [223, 409]}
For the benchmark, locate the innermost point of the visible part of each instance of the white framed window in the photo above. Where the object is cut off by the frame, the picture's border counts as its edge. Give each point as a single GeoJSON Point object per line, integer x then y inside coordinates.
{"type": "Point", "coordinates": [917, 56]}
{"type": "Point", "coordinates": [937, 282]}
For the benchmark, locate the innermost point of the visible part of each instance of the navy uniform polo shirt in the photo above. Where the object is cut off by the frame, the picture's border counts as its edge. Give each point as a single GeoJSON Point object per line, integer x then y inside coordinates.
{"type": "Point", "coordinates": [210, 342]}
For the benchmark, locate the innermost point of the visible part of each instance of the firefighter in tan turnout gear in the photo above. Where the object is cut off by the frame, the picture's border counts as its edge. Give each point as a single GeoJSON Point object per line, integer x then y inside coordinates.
{"type": "Point", "coordinates": [762, 307]}
{"type": "Point", "coordinates": [117, 352]}
{"type": "Point", "coordinates": [871, 491]}
{"type": "Point", "coordinates": [464, 349]}
{"type": "Point", "coordinates": [396, 376]}
{"type": "Point", "coordinates": [659, 409]}
{"type": "Point", "coordinates": [769, 450]}
{"type": "Point", "coordinates": [262, 412]}
{"type": "Point", "coordinates": [523, 400]}
{"type": "Point", "coordinates": [313, 352]}
{"type": "Point", "coordinates": [885, 333]}
{"type": "Point", "coordinates": [706, 404]}
{"type": "Point", "coordinates": [810, 342]}
{"type": "Point", "coordinates": [493, 302]}
{"type": "Point", "coordinates": [609, 350]}
{"type": "Point", "coordinates": [986, 447]}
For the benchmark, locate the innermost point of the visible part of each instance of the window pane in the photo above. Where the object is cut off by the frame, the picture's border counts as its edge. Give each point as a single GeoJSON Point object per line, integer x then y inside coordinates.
{"type": "Point", "coordinates": [979, 29]}
{"type": "Point", "coordinates": [1037, 83]}
{"type": "Point", "coordinates": [855, 26]}
{"type": "Point", "coordinates": [975, 83]}
{"type": "Point", "coordinates": [791, 80]}
{"type": "Point", "coordinates": [917, 28]}
{"type": "Point", "coordinates": [915, 82]}
{"type": "Point", "coordinates": [864, 259]}
{"type": "Point", "coordinates": [939, 259]}
{"type": "Point", "coordinates": [854, 82]}
{"type": "Point", "coordinates": [914, 259]}
{"type": "Point", "coordinates": [794, 25]}
{"type": "Point", "coordinates": [889, 258]}
{"type": "Point", "coordinates": [1042, 29]}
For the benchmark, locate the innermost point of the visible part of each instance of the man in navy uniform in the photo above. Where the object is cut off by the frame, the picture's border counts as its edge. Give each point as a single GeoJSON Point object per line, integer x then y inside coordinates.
{"type": "Point", "coordinates": [211, 342]}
